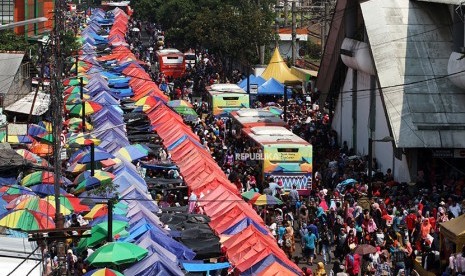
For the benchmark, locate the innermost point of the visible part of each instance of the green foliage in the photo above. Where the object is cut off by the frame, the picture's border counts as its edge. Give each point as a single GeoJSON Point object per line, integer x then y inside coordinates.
{"type": "Point", "coordinates": [229, 28]}
{"type": "Point", "coordinates": [69, 43]}
{"type": "Point", "coordinates": [9, 41]}
{"type": "Point", "coordinates": [312, 50]}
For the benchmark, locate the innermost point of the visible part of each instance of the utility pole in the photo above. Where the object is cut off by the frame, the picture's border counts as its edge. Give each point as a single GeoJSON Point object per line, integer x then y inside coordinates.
{"type": "Point", "coordinates": [276, 9]}
{"type": "Point", "coordinates": [286, 12]}
{"type": "Point", "coordinates": [294, 33]}
{"type": "Point", "coordinates": [56, 110]}
{"type": "Point", "coordinates": [324, 26]}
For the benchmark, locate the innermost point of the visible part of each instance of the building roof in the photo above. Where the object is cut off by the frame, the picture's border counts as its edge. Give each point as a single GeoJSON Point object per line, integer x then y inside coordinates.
{"type": "Point", "coordinates": [9, 65]}
{"type": "Point", "coordinates": [411, 43]}
{"type": "Point", "coordinates": [24, 105]}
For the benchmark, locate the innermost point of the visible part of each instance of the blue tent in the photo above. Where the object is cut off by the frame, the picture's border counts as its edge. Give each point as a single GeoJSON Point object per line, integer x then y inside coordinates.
{"type": "Point", "coordinates": [105, 98]}
{"type": "Point", "coordinates": [177, 248]}
{"type": "Point", "coordinates": [152, 246]}
{"type": "Point", "coordinates": [272, 87]}
{"type": "Point", "coordinates": [105, 218]}
{"type": "Point", "coordinates": [242, 224]}
{"type": "Point", "coordinates": [258, 80]}
{"type": "Point", "coordinates": [137, 231]}
{"type": "Point", "coordinates": [204, 267]}
{"type": "Point", "coordinates": [154, 265]}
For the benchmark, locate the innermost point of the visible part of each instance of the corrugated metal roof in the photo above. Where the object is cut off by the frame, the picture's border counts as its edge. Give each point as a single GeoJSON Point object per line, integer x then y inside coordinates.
{"type": "Point", "coordinates": [9, 65]}
{"type": "Point", "coordinates": [411, 43]}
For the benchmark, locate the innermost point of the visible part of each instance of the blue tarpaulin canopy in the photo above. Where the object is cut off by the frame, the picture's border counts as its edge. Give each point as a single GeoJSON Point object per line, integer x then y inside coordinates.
{"type": "Point", "coordinates": [203, 267]}
{"type": "Point", "coordinates": [272, 87]}
{"type": "Point", "coordinates": [252, 80]}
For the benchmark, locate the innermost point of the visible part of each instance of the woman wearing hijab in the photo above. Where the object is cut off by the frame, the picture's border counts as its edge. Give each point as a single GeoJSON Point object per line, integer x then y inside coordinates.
{"type": "Point", "coordinates": [320, 271]}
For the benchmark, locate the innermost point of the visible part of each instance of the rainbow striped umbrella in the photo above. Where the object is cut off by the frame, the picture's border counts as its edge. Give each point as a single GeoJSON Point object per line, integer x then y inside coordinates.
{"type": "Point", "coordinates": [19, 139]}
{"type": "Point", "coordinates": [46, 189]}
{"type": "Point", "coordinates": [32, 157]}
{"type": "Point", "coordinates": [79, 139]}
{"type": "Point", "coordinates": [45, 138]}
{"type": "Point", "coordinates": [265, 200]}
{"type": "Point", "coordinates": [42, 177]}
{"type": "Point", "coordinates": [69, 202]}
{"type": "Point", "coordinates": [178, 103]}
{"type": "Point", "coordinates": [12, 192]}
{"type": "Point", "coordinates": [75, 89]}
{"type": "Point", "coordinates": [85, 181]}
{"type": "Point", "coordinates": [99, 165]}
{"type": "Point", "coordinates": [41, 149]}
{"type": "Point", "coordinates": [100, 210]}
{"type": "Point", "coordinates": [75, 124]}
{"type": "Point", "coordinates": [103, 272]}
{"type": "Point", "coordinates": [26, 220]}
{"type": "Point", "coordinates": [134, 152]}
{"type": "Point", "coordinates": [76, 109]}
{"type": "Point", "coordinates": [75, 81]}
{"type": "Point", "coordinates": [148, 100]}
{"type": "Point", "coordinates": [35, 203]}
{"type": "Point", "coordinates": [74, 98]}
{"type": "Point", "coordinates": [35, 130]}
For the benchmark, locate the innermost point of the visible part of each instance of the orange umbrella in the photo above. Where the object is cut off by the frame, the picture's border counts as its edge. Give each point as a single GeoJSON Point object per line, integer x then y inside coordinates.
{"type": "Point", "coordinates": [41, 149]}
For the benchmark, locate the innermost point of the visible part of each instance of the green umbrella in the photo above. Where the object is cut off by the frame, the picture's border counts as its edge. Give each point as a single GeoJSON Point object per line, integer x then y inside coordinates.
{"type": "Point", "coordinates": [116, 253]}
{"type": "Point", "coordinates": [184, 110]}
{"type": "Point", "coordinates": [99, 233]}
{"type": "Point", "coordinates": [250, 194]}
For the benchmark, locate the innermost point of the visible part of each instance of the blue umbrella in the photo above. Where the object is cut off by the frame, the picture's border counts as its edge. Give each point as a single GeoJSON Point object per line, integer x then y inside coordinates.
{"type": "Point", "coordinates": [46, 189]}
{"type": "Point", "coordinates": [348, 182]}
{"type": "Point", "coordinates": [98, 155]}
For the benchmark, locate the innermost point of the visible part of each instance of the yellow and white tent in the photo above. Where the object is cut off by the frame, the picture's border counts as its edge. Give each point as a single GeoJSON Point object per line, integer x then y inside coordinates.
{"type": "Point", "coordinates": [277, 69]}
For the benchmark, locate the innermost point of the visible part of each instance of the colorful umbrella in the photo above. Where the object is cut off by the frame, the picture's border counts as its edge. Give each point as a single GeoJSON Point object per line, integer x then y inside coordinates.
{"type": "Point", "coordinates": [103, 272]}
{"type": "Point", "coordinates": [75, 124]}
{"type": "Point", "coordinates": [101, 210]}
{"type": "Point", "coordinates": [41, 149]}
{"type": "Point", "coordinates": [148, 100]}
{"type": "Point", "coordinates": [266, 200]}
{"type": "Point", "coordinates": [99, 165]}
{"type": "Point", "coordinates": [35, 130]}
{"type": "Point", "coordinates": [75, 89]}
{"type": "Point", "coordinates": [250, 194]}
{"type": "Point", "coordinates": [75, 81]}
{"type": "Point", "coordinates": [116, 253]}
{"type": "Point", "coordinates": [82, 140]}
{"type": "Point", "coordinates": [98, 155]}
{"type": "Point", "coordinates": [19, 139]}
{"type": "Point", "coordinates": [85, 181]}
{"type": "Point", "coordinates": [179, 103]}
{"type": "Point", "coordinates": [35, 203]}
{"type": "Point", "coordinates": [41, 177]}
{"type": "Point", "coordinates": [26, 220]}
{"type": "Point", "coordinates": [11, 192]}
{"type": "Point", "coordinates": [75, 97]}
{"type": "Point", "coordinates": [99, 232]}
{"type": "Point", "coordinates": [134, 152]}
{"type": "Point", "coordinates": [32, 157]}
{"type": "Point", "coordinates": [47, 125]}
{"type": "Point", "coordinates": [70, 202]}
{"type": "Point", "coordinates": [46, 189]}
{"type": "Point", "coordinates": [76, 109]}
{"type": "Point", "coordinates": [46, 138]}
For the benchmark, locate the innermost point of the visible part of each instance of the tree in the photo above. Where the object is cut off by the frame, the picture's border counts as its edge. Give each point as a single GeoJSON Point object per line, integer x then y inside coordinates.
{"type": "Point", "coordinates": [9, 41]}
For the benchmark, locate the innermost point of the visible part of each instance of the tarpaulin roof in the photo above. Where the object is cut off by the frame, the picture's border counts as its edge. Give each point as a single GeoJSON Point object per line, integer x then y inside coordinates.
{"type": "Point", "coordinates": [272, 87]}
{"type": "Point", "coordinates": [277, 68]}
{"type": "Point", "coordinates": [258, 80]}
{"type": "Point", "coordinates": [198, 267]}
{"type": "Point", "coordinates": [154, 264]}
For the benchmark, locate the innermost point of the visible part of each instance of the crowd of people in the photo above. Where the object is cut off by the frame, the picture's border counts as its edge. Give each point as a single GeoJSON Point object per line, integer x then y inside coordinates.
{"type": "Point", "coordinates": [340, 225]}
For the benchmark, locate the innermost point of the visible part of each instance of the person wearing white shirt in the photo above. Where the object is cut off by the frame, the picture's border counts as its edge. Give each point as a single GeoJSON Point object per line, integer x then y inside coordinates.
{"type": "Point", "coordinates": [455, 209]}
